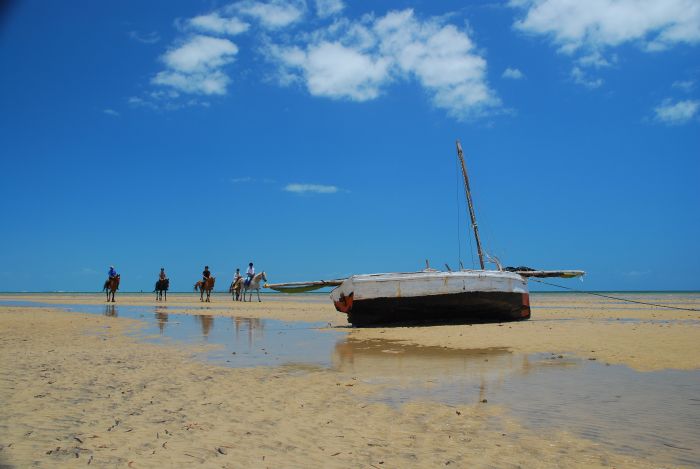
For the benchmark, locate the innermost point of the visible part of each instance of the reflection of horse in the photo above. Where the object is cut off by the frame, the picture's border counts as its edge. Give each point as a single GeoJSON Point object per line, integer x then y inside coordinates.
{"type": "Point", "coordinates": [111, 286]}
{"type": "Point", "coordinates": [235, 289]}
{"type": "Point", "coordinates": [161, 317]}
{"type": "Point", "coordinates": [254, 285]}
{"type": "Point", "coordinates": [111, 311]}
{"type": "Point", "coordinates": [162, 289]}
{"type": "Point", "coordinates": [207, 322]}
{"type": "Point", "coordinates": [202, 287]}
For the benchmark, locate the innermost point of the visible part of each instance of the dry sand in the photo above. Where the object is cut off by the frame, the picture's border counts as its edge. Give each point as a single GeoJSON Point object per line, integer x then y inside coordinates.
{"type": "Point", "coordinates": [76, 389]}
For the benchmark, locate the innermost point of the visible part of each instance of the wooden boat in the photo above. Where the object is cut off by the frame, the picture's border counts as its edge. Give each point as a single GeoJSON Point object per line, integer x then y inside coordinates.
{"type": "Point", "coordinates": [435, 296]}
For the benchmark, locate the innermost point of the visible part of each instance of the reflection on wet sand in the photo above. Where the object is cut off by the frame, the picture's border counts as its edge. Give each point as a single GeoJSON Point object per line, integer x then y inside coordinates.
{"type": "Point", "coordinates": [638, 413]}
{"type": "Point", "coordinates": [370, 358]}
{"type": "Point", "coordinates": [111, 311]}
{"type": "Point", "coordinates": [207, 322]}
{"type": "Point", "coordinates": [254, 327]}
{"type": "Point", "coordinates": [161, 317]}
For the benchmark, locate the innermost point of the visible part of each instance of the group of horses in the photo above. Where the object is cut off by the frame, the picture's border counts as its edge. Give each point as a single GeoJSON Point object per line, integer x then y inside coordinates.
{"type": "Point", "coordinates": [238, 288]}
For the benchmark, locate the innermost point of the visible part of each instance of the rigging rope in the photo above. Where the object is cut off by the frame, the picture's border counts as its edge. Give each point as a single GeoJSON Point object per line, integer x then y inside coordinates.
{"type": "Point", "coordinates": [459, 221]}
{"type": "Point", "coordinates": [612, 297]}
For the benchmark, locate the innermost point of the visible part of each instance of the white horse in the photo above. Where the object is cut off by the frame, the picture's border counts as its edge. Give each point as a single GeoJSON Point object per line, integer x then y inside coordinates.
{"type": "Point", "coordinates": [253, 285]}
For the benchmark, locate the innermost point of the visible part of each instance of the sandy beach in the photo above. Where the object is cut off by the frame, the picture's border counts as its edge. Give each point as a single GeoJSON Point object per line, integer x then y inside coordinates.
{"type": "Point", "coordinates": [81, 388]}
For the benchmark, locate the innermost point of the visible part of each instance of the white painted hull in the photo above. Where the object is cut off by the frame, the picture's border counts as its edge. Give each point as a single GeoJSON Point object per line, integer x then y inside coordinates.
{"type": "Point", "coordinates": [433, 296]}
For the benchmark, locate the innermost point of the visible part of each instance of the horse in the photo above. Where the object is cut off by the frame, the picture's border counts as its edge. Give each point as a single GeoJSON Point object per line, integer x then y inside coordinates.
{"type": "Point", "coordinates": [111, 286]}
{"type": "Point", "coordinates": [162, 289]}
{"type": "Point", "coordinates": [254, 285]}
{"type": "Point", "coordinates": [207, 286]}
{"type": "Point", "coordinates": [235, 289]}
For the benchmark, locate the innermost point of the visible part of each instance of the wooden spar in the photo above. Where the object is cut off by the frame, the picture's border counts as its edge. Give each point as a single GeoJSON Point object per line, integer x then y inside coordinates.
{"type": "Point", "coordinates": [319, 283]}
{"type": "Point", "coordinates": [469, 203]}
{"type": "Point", "coordinates": [550, 273]}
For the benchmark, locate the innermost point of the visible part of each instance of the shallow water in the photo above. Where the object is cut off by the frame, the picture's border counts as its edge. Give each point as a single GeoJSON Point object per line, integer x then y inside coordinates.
{"type": "Point", "coordinates": [655, 414]}
{"type": "Point", "coordinates": [238, 341]}
{"type": "Point", "coordinates": [652, 413]}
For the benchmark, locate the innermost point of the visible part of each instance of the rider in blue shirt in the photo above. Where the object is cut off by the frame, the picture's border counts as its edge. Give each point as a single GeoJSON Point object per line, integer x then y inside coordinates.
{"type": "Point", "coordinates": [112, 272]}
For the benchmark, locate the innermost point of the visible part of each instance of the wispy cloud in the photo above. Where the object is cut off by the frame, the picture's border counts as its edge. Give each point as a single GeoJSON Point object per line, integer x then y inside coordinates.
{"type": "Point", "coordinates": [589, 30]}
{"type": "Point", "coordinates": [248, 179]}
{"type": "Point", "coordinates": [684, 85]}
{"type": "Point", "coordinates": [195, 65]}
{"type": "Point", "coordinates": [214, 23]}
{"type": "Point", "coordinates": [273, 14]}
{"type": "Point", "coordinates": [581, 78]}
{"type": "Point", "coordinates": [111, 112]}
{"type": "Point", "coordinates": [676, 113]}
{"type": "Point", "coordinates": [513, 74]}
{"type": "Point", "coordinates": [326, 8]}
{"type": "Point", "coordinates": [145, 38]}
{"type": "Point", "coordinates": [311, 189]}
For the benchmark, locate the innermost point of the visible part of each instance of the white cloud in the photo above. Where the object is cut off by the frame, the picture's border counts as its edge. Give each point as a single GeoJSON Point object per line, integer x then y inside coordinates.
{"type": "Point", "coordinates": [195, 65]}
{"type": "Point", "coordinates": [326, 8]}
{"type": "Point", "coordinates": [214, 23]}
{"type": "Point", "coordinates": [273, 14]}
{"type": "Point", "coordinates": [355, 60]}
{"type": "Point", "coordinates": [594, 24]}
{"type": "Point", "coordinates": [146, 38]}
{"type": "Point", "coordinates": [310, 188]}
{"type": "Point", "coordinates": [685, 85]}
{"type": "Point", "coordinates": [513, 74]}
{"type": "Point", "coordinates": [200, 54]}
{"type": "Point", "coordinates": [672, 113]}
{"type": "Point", "coordinates": [335, 71]}
{"type": "Point", "coordinates": [111, 112]}
{"type": "Point", "coordinates": [589, 29]}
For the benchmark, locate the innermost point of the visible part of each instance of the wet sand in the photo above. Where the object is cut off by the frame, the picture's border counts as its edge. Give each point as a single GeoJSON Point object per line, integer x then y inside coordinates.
{"type": "Point", "coordinates": [79, 388]}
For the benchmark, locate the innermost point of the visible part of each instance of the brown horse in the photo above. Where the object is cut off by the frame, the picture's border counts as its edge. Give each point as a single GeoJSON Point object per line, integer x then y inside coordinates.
{"type": "Point", "coordinates": [111, 286]}
{"type": "Point", "coordinates": [202, 287]}
{"type": "Point", "coordinates": [162, 289]}
{"type": "Point", "coordinates": [235, 289]}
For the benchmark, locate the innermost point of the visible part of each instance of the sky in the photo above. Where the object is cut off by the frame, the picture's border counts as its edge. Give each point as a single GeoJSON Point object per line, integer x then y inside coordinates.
{"type": "Point", "coordinates": [316, 138]}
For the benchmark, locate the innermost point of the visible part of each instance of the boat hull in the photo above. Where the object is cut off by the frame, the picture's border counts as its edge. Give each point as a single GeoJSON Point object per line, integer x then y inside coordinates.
{"type": "Point", "coordinates": [454, 308]}
{"type": "Point", "coordinates": [433, 297]}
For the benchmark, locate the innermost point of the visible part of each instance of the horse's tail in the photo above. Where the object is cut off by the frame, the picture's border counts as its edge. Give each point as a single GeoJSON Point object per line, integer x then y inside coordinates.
{"type": "Point", "coordinates": [196, 286]}
{"type": "Point", "coordinates": [105, 286]}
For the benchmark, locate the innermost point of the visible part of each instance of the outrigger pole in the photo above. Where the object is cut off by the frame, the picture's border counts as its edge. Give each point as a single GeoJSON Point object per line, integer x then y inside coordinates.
{"type": "Point", "coordinates": [469, 203]}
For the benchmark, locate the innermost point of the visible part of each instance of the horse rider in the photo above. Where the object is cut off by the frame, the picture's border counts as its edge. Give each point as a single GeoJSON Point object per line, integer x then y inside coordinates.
{"type": "Point", "coordinates": [161, 275]}
{"type": "Point", "coordinates": [250, 274]}
{"type": "Point", "coordinates": [236, 276]}
{"type": "Point", "coordinates": [112, 273]}
{"type": "Point", "coordinates": [205, 275]}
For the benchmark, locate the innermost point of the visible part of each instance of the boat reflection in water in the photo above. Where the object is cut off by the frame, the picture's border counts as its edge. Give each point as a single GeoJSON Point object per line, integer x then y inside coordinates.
{"type": "Point", "coordinates": [411, 371]}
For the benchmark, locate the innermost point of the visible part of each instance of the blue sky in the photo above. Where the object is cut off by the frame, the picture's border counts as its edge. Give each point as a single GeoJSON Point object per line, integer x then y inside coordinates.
{"type": "Point", "coordinates": [317, 139]}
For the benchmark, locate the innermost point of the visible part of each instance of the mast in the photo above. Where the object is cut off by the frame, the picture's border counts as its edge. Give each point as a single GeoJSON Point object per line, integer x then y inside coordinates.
{"type": "Point", "coordinates": [470, 205]}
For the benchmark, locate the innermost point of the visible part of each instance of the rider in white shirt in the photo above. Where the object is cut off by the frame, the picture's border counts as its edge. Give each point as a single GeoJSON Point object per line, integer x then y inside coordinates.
{"type": "Point", "coordinates": [250, 273]}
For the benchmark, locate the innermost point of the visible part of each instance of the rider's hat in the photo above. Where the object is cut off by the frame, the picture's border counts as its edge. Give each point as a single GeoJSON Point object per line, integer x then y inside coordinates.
{"type": "Point", "coordinates": [250, 263]}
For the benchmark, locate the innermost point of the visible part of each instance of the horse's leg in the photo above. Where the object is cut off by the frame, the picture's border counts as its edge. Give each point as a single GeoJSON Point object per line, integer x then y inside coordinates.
{"type": "Point", "coordinates": [165, 298]}
{"type": "Point", "coordinates": [258, 290]}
